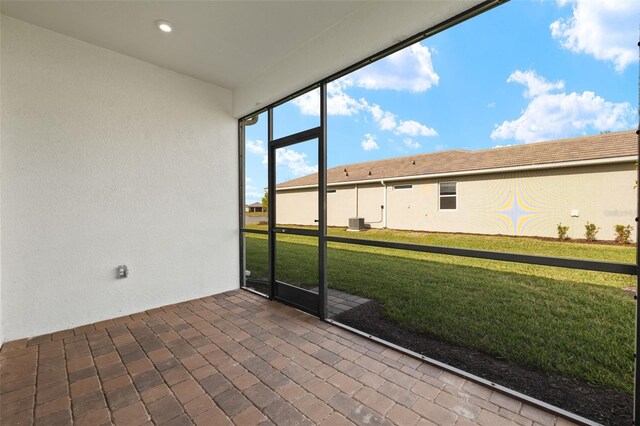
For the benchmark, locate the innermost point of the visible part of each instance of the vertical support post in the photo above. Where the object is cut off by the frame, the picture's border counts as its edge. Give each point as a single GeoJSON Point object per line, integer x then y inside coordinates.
{"type": "Point", "coordinates": [636, 384]}
{"type": "Point", "coordinates": [271, 191]}
{"type": "Point", "coordinates": [241, 191]}
{"type": "Point", "coordinates": [636, 387]}
{"type": "Point", "coordinates": [322, 204]}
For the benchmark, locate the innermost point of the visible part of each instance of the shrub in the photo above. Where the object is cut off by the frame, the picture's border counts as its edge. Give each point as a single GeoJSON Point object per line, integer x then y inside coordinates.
{"type": "Point", "coordinates": [562, 232]}
{"type": "Point", "coordinates": [623, 234]}
{"type": "Point", "coordinates": [590, 231]}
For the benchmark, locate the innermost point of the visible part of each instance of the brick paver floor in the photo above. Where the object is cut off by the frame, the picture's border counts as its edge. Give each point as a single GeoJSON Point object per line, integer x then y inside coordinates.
{"type": "Point", "coordinates": [235, 358]}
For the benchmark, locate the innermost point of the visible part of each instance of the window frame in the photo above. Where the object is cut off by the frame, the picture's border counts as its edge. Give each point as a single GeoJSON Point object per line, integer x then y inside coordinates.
{"type": "Point", "coordinates": [402, 187]}
{"type": "Point", "coordinates": [454, 196]}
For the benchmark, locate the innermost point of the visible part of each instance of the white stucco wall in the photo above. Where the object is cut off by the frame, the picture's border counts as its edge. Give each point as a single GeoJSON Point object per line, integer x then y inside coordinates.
{"type": "Point", "coordinates": [108, 160]}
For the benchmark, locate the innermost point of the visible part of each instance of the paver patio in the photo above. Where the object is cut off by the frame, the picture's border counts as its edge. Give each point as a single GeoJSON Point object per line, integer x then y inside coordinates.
{"type": "Point", "coordinates": [235, 358]}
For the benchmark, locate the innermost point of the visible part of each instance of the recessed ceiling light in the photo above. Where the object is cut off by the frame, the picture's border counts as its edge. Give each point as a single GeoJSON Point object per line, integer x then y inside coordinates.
{"type": "Point", "coordinates": [164, 26]}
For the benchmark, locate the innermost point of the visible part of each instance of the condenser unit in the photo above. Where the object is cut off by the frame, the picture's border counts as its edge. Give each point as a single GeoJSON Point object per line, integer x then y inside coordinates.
{"type": "Point", "coordinates": [356, 224]}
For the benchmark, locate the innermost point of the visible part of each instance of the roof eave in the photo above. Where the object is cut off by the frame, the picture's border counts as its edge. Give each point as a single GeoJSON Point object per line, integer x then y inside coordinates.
{"type": "Point", "coordinates": [567, 164]}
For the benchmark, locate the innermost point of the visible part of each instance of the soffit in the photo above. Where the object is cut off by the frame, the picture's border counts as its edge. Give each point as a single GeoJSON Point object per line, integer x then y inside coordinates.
{"type": "Point", "coordinates": [262, 50]}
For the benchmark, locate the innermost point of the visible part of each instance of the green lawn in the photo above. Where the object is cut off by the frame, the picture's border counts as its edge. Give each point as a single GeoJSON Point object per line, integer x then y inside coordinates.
{"type": "Point", "coordinates": [576, 323]}
{"type": "Point", "coordinates": [602, 252]}
{"type": "Point", "coordinates": [594, 251]}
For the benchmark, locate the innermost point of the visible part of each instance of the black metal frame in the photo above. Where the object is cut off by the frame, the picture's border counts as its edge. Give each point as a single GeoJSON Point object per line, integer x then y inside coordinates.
{"type": "Point", "coordinates": [272, 212]}
{"type": "Point", "coordinates": [248, 280]}
{"type": "Point", "coordinates": [636, 387]}
{"type": "Point", "coordinates": [295, 138]}
{"type": "Point", "coordinates": [322, 205]}
{"type": "Point", "coordinates": [241, 195]}
{"type": "Point", "coordinates": [589, 265]}
{"type": "Point", "coordinates": [305, 300]}
{"type": "Point", "coordinates": [320, 133]}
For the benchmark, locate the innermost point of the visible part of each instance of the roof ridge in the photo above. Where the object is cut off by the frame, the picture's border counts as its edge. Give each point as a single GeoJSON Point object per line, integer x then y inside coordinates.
{"type": "Point", "coordinates": [569, 150]}
{"type": "Point", "coordinates": [410, 157]}
{"type": "Point", "coordinates": [556, 141]}
{"type": "Point", "coordinates": [487, 149]}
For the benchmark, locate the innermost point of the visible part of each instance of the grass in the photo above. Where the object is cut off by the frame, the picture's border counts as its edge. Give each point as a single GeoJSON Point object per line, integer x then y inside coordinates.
{"type": "Point", "coordinates": [601, 252]}
{"type": "Point", "coordinates": [592, 251]}
{"type": "Point", "coordinates": [574, 323]}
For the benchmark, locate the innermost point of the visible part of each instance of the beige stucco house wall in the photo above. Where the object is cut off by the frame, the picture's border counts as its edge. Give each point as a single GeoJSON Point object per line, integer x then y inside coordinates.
{"type": "Point", "coordinates": [529, 202]}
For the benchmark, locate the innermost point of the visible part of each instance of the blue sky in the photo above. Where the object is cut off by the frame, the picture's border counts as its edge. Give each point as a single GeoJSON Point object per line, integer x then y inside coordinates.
{"type": "Point", "coordinates": [524, 72]}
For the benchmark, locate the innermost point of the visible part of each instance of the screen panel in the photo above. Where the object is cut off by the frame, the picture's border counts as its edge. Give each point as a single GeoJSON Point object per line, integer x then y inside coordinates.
{"type": "Point", "coordinates": [565, 337]}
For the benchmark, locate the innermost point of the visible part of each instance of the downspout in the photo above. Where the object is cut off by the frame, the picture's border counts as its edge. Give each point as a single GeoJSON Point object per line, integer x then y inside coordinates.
{"type": "Point", "coordinates": [357, 201]}
{"type": "Point", "coordinates": [384, 206]}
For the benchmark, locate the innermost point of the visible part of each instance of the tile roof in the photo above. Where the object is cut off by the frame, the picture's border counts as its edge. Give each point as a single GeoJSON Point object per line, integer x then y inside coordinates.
{"type": "Point", "coordinates": [607, 145]}
{"type": "Point", "coordinates": [257, 204]}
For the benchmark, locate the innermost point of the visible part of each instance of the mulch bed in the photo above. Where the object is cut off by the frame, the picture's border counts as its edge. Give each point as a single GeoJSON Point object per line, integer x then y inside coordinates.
{"type": "Point", "coordinates": [524, 237]}
{"type": "Point", "coordinates": [594, 402]}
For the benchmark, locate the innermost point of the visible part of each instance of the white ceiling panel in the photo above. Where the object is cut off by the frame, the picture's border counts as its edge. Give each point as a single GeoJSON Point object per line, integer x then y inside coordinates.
{"type": "Point", "coordinates": [262, 50]}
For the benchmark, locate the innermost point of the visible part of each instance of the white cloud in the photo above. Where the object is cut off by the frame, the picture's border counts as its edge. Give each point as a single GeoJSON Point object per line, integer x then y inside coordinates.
{"type": "Point", "coordinates": [410, 69]}
{"type": "Point", "coordinates": [293, 160]}
{"type": "Point", "coordinates": [252, 197]}
{"type": "Point", "coordinates": [491, 105]}
{"type": "Point", "coordinates": [411, 143]}
{"type": "Point", "coordinates": [338, 102]}
{"type": "Point", "coordinates": [559, 115]}
{"type": "Point", "coordinates": [385, 119]}
{"type": "Point", "coordinates": [535, 85]}
{"type": "Point", "coordinates": [388, 121]}
{"type": "Point", "coordinates": [369, 142]}
{"type": "Point", "coordinates": [607, 30]}
{"type": "Point", "coordinates": [309, 103]}
{"type": "Point", "coordinates": [256, 147]}
{"type": "Point", "coordinates": [252, 193]}
{"type": "Point", "coordinates": [413, 128]}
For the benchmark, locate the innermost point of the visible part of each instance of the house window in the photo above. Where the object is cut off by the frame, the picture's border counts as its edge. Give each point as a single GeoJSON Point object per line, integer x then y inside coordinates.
{"type": "Point", "coordinates": [403, 187]}
{"type": "Point", "coordinates": [448, 195]}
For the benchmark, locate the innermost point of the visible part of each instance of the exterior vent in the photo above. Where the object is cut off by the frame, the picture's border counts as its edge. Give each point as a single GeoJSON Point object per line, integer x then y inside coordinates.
{"type": "Point", "coordinates": [356, 224]}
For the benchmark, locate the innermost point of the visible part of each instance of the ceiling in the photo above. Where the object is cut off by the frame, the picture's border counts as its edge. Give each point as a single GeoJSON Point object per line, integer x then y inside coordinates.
{"type": "Point", "coordinates": [245, 46]}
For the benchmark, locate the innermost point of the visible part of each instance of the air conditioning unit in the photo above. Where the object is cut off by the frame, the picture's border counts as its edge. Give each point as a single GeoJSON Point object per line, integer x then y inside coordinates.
{"type": "Point", "coordinates": [356, 224]}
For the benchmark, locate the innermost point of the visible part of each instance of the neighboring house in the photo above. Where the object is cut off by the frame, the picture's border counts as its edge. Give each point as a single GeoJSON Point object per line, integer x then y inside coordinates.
{"type": "Point", "coordinates": [518, 190]}
{"type": "Point", "coordinates": [254, 208]}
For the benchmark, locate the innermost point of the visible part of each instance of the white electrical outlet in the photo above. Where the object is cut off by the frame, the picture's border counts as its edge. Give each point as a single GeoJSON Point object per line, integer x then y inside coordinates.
{"type": "Point", "coordinates": [122, 271]}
